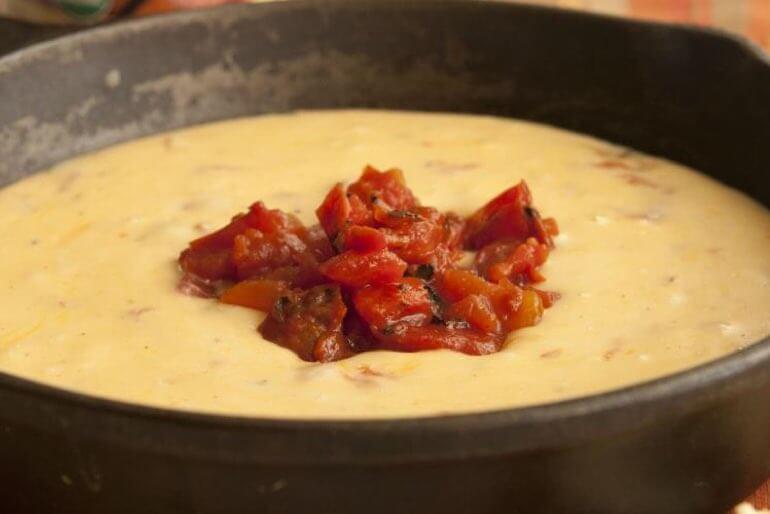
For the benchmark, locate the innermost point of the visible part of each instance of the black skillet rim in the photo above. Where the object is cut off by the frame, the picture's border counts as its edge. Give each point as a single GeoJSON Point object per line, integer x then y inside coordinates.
{"type": "Point", "coordinates": [430, 438]}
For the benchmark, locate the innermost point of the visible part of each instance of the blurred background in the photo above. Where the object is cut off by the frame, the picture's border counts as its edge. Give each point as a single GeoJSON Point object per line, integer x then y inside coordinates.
{"type": "Point", "coordinates": [747, 17]}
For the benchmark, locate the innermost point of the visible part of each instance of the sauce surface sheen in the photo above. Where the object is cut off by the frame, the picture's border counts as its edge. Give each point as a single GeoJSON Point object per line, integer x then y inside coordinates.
{"type": "Point", "coordinates": [659, 268]}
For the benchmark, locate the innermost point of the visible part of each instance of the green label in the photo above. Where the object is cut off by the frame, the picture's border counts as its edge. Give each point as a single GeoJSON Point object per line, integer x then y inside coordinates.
{"type": "Point", "coordinates": [85, 8]}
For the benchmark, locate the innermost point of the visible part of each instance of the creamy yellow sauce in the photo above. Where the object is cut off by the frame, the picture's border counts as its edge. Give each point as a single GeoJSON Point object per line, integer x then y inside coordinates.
{"type": "Point", "coordinates": [659, 268]}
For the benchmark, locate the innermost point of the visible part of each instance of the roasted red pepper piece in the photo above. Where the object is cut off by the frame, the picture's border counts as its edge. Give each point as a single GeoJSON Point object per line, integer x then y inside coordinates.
{"type": "Point", "coordinates": [388, 187]}
{"type": "Point", "coordinates": [416, 242]}
{"type": "Point", "coordinates": [505, 298]}
{"type": "Point", "coordinates": [454, 226]}
{"type": "Point", "coordinates": [529, 311]}
{"type": "Point", "coordinates": [257, 294]}
{"type": "Point", "coordinates": [519, 263]}
{"type": "Point", "coordinates": [544, 230]}
{"type": "Point", "coordinates": [266, 243]}
{"type": "Point", "coordinates": [365, 239]}
{"type": "Point", "coordinates": [409, 338]}
{"type": "Point", "coordinates": [407, 301]}
{"type": "Point", "coordinates": [355, 269]}
{"type": "Point", "coordinates": [477, 311]}
{"type": "Point", "coordinates": [421, 235]}
{"type": "Point", "coordinates": [208, 264]}
{"type": "Point", "coordinates": [309, 323]}
{"type": "Point", "coordinates": [509, 216]}
{"type": "Point", "coordinates": [318, 244]}
{"type": "Point", "coordinates": [210, 257]}
{"type": "Point", "coordinates": [256, 253]}
{"type": "Point", "coordinates": [273, 221]}
{"type": "Point", "coordinates": [456, 284]}
{"type": "Point", "coordinates": [334, 212]}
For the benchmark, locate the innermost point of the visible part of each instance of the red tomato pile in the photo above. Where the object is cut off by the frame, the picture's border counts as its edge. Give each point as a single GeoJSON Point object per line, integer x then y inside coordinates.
{"type": "Point", "coordinates": [380, 271]}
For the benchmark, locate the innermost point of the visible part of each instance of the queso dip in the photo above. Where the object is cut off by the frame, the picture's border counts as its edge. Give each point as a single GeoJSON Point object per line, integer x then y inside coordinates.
{"type": "Point", "coordinates": [659, 268]}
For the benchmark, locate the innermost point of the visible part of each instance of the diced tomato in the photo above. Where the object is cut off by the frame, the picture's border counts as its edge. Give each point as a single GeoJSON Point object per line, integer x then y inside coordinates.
{"type": "Point", "coordinates": [508, 222]}
{"type": "Point", "coordinates": [503, 217]}
{"type": "Point", "coordinates": [385, 216]}
{"type": "Point", "coordinates": [273, 221]}
{"type": "Point", "coordinates": [334, 212]}
{"type": "Point", "coordinates": [453, 230]}
{"type": "Point", "coordinates": [492, 254]}
{"type": "Point", "coordinates": [226, 255]}
{"type": "Point", "coordinates": [456, 284]}
{"type": "Point", "coordinates": [354, 269]}
{"type": "Point", "coordinates": [318, 244]}
{"type": "Point", "coordinates": [408, 338]}
{"type": "Point", "coordinates": [385, 186]}
{"type": "Point", "coordinates": [221, 239]}
{"type": "Point", "coordinates": [304, 321]}
{"type": "Point", "coordinates": [517, 262]}
{"type": "Point", "coordinates": [443, 258]}
{"type": "Point", "coordinates": [256, 253]}
{"type": "Point", "coordinates": [415, 242]}
{"type": "Point", "coordinates": [509, 216]}
{"type": "Point", "coordinates": [360, 214]}
{"type": "Point", "coordinates": [209, 257]}
{"type": "Point", "coordinates": [529, 312]}
{"type": "Point", "coordinates": [477, 310]}
{"type": "Point", "coordinates": [255, 294]}
{"type": "Point", "coordinates": [407, 300]}
{"type": "Point", "coordinates": [547, 229]}
{"type": "Point", "coordinates": [208, 264]}
{"type": "Point", "coordinates": [358, 332]}
{"type": "Point", "coordinates": [506, 299]}
{"type": "Point", "coordinates": [304, 274]}
{"type": "Point", "coordinates": [364, 239]}
{"type": "Point", "coordinates": [548, 298]}
{"type": "Point", "coordinates": [332, 346]}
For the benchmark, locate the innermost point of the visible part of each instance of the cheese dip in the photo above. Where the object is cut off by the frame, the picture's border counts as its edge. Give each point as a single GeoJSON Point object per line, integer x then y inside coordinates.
{"type": "Point", "coordinates": [659, 268]}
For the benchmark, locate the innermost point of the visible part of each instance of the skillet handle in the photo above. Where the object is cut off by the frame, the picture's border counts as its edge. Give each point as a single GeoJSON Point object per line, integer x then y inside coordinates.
{"type": "Point", "coordinates": [16, 34]}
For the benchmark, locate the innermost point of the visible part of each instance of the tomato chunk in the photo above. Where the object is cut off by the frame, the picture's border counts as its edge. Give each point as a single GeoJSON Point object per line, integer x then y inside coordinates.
{"type": "Point", "coordinates": [477, 311]}
{"type": "Point", "coordinates": [309, 323]}
{"type": "Point", "coordinates": [208, 264]}
{"type": "Point", "coordinates": [408, 338]}
{"type": "Point", "coordinates": [255, 294]}
{"type": "Point", "coordinates": [519, 263]}
{"type": "Point", "coordinates": [509, 216]}
{"type": "Point", "coordinates": [388, 187]}
{"type": "Point", "coordinates": [334, 212]}
{"type": "Point", "coordinates": [355, 269]}
{"type": "Point", "coordinates": [407, 300]}
{"type": "Point", "coordinates": [380, 271]}
{"type": "Point", "coordinates": [256, 253]}
{"type": "Point", "coordinates": [364, 239]}
{"type": "Point", "coordinates": [456, 284]}
{"type": "Point", "coordinates": [272, 221]}
{"type": "Point", "coordinates": [260, 243]}
{"type": "Point", "coordinates": [528, 313]}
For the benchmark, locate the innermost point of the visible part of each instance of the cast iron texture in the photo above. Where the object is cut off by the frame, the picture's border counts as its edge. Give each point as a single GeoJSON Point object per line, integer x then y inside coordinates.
{"type": "Point", "coordinates": [14, 34]}
{"type": "Point", "coordinates": [693, 443]}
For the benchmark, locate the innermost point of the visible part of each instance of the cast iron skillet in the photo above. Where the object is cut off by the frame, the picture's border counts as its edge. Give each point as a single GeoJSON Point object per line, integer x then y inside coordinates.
{"type": "Point", "coordinates": [694, 442]}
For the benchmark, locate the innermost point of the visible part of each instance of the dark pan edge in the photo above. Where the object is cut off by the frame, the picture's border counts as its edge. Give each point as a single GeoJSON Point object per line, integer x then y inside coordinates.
{"type": "Point", "coordinates": [610, 411]}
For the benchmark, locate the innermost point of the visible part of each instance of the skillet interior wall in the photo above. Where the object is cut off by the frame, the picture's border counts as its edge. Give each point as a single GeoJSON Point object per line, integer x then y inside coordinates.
{"type": "Point", "coordinates": [686, 94]}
